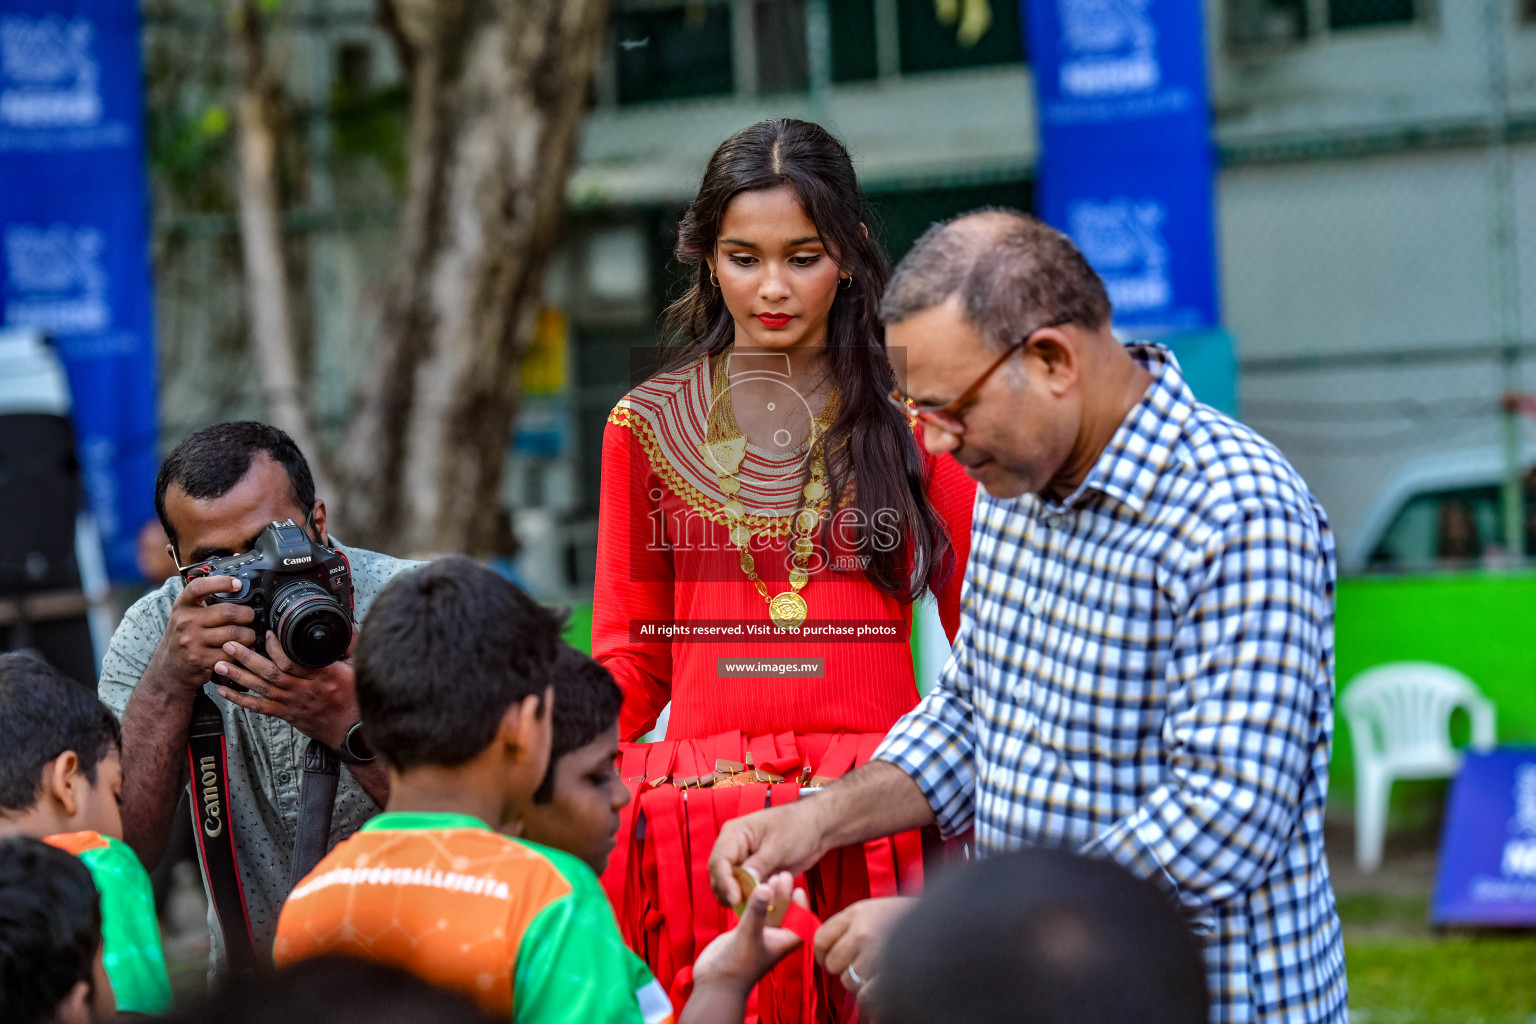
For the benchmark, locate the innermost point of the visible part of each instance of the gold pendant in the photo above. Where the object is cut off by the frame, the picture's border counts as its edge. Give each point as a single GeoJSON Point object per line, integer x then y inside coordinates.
{"type": "Point", "coordinates": [724, 457]}
{"type": "Point", "coordinates": [788, 610]}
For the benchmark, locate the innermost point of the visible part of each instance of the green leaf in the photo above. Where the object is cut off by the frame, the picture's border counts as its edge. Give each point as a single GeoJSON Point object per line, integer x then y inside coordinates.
{"type": "Point", "coordinates": [214, 122]}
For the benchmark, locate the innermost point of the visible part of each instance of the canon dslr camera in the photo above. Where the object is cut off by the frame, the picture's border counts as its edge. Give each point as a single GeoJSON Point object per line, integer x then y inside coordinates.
{"type": "Point", "coordinates": [300, 590]}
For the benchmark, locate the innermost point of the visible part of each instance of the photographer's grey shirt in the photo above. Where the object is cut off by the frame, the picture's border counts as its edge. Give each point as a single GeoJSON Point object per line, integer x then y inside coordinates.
{"type": "Point", "coordinates": [266, 755]}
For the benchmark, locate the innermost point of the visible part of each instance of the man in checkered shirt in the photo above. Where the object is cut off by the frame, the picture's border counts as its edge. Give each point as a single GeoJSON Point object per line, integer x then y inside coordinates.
{"type": "Point", "coordinates": [1145, 667]}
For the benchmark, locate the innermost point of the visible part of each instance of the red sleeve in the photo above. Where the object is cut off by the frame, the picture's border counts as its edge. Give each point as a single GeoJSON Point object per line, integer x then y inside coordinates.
{"type": "Point", "coordinates": [634, 581]}
{"type": "Point", "coordinates": [953, 494]}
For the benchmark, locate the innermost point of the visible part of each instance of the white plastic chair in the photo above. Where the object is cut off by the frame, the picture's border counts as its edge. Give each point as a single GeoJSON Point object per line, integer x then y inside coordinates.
{"type": "Point", "coordinates": [1399, 718]}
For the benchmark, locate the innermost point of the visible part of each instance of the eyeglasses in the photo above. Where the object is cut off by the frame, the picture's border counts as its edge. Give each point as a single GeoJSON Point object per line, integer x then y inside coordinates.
{"type": "Point", "coordinates": [947, 417]}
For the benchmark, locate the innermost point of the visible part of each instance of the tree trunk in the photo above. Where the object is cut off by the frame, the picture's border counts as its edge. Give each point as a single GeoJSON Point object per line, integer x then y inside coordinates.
{"type": "Point", "coordinates": [273, 341]}
{"type": "Point", "coordinates": [498, 88]}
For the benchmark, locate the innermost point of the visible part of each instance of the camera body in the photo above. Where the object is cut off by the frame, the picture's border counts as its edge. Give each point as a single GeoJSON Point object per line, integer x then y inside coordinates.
{"type": "Point", "coordinates": [300, 590]}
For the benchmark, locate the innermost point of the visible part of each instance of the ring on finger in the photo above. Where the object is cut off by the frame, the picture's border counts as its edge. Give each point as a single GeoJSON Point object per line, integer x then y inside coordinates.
{"type": "Point", "coordinates": [853, 976]}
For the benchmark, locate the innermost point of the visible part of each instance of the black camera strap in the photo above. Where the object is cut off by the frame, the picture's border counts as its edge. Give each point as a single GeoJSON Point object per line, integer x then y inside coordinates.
{"type": "Point", "coordinates": [317, 799]}
{"type": "Point", "coordinates": [208, 770]}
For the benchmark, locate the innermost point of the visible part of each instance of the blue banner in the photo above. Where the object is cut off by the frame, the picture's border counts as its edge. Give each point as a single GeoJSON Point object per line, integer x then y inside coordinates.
{"type": "Point", "coordinates": [1487, 870]}
{"type": "Point", "coordinates": [74, 244]}
{"type": "Point", "coordinates": [1125, 152]}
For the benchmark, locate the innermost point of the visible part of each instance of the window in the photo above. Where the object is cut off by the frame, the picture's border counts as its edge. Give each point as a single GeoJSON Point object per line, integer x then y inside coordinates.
{"type": "Point", "coordinates": [1369, 13]}
{"type": "Point", "coordinates": [678, 49]}
{"type": "Point", "coordinates": [672, 50]}
{"type": "Point", "coordinates": [778, 31]}
{"type": "Point", "coordinates": [354, 68]}
{"type": "Point", "coordinates": [1256, 22]}
{"type": "Point", "coordinates": [928, 44]}
{"type": "Point", "coordinates": [1266, 21]}
{"type": "Point", "coordinates": [1445, 528]}
{"type": "Point", "coordinates": [1451, 529]}
{"type": "Point", "coordinates": [854, 51]}
{"type": "Point", "coordinates": [902, 216]}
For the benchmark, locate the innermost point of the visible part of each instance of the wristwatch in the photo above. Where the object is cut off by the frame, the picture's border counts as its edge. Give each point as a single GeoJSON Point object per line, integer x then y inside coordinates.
{"type": "Point", "coordinates": [355, 749]}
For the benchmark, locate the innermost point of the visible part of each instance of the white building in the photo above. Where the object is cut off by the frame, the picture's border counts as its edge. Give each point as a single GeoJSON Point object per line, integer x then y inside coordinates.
{"type": "Point", "coordinates": [1376, 210]}
{"type": "Point", "coordinates": [1371, 218]}
{"type": "Point", "coordinates": [1370, 222]}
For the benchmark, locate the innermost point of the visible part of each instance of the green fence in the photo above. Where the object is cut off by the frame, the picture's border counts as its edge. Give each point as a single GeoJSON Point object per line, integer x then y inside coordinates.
{"type": "Point", "coordinates": [578, 631]}
{"type": "Point", "coordinates": [1479, 623]}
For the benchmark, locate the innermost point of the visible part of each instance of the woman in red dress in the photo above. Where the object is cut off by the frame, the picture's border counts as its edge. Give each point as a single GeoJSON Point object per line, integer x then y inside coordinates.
{"type": "Point", "coordinates": [768, 519]}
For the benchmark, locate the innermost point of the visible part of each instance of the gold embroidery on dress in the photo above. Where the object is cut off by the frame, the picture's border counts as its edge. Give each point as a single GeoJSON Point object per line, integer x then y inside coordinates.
{"type": "Point", "coordinates": [626, 415]}
{"type": "Point", "coordinates": [698, 501]}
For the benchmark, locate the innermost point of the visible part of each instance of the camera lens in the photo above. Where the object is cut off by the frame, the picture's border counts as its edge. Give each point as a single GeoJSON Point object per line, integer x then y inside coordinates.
{"type": "Point", "coordinates": [311, 625]}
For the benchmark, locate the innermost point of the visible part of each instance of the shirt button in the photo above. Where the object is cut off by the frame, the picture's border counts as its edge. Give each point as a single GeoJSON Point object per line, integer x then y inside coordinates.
{"type": "Point", "coordinates": [283, 777]}
{"type": "Point", "coordinates": [1035, 604]}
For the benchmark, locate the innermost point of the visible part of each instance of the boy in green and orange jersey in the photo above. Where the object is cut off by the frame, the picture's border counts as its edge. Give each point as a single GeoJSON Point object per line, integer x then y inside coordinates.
{"type": "Point", "coordinates": [454, 673]}
{"type": "Point", "coordinates": [576, 807]}
{"type": "Point", "coordinates": [59, 779]}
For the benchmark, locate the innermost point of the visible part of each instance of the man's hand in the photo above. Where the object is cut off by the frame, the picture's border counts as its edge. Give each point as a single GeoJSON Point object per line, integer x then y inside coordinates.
{"type": "Point", "coordinates": [877, 799]}
{"type": "Point", "coordinates": [848, 945]}
{"type": "Point", "coordinates": [156, 718]}
{"type": "Point", "coordinates": [784, 838]}
{"type": "Point", "coordinates": [196, 633]}
{"type": "Point", "coordinates": [319, 702]}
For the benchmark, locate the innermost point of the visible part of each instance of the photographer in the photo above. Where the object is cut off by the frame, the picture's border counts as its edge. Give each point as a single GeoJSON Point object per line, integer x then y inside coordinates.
{"type": "Point", "coordinates": [216, 495]}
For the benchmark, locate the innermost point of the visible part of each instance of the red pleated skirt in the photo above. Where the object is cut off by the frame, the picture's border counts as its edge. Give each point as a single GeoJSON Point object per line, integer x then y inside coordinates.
{"type": "Point", "coordinates": [658, 876]}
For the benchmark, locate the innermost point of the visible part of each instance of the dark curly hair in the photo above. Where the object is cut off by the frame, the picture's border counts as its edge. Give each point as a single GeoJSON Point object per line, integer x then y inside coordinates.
{"type": "Point", "coordinates": [50, 929]}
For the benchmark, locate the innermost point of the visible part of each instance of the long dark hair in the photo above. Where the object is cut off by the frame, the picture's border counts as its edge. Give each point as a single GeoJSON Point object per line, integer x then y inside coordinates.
{"type": "Point", "coordinates": [880, 458]}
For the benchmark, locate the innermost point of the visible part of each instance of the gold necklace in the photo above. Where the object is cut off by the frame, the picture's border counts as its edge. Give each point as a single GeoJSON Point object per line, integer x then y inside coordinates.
{"type": "Point", "coordinates": [722, 451]}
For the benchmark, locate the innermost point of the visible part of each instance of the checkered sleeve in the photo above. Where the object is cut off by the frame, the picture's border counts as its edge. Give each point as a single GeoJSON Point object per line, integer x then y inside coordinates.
{"type": "Point", "coordinates": [934, 743]}
{"type": "Point", "coordinates": [1243, 682]}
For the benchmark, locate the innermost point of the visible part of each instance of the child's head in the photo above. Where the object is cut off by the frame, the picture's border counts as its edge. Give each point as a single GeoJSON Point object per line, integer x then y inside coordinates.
{"type": "Point", "coordinates": [453, 673]}
{"type": "Point", "coordinates": [59, 765]}
{"type": "Point", "coordinates": [50, 938]}
{"type": "Point", "coordinates": [344, 989]}
{"type": "Point", "coordinates": [576, 808]}
{"type": "Point", "coordinates": [1041, 936]}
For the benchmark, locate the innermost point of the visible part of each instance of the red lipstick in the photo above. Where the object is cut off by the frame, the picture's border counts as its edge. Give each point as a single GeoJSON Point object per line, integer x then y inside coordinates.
{"type": "Point", "coordinates": [774, 319]}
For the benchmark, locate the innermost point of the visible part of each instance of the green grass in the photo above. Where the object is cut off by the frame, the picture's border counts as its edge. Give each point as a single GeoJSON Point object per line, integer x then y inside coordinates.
{"type": "Point", "coordinates": [1402, 973]}
{"type": "Point", "coordinates": [1463, 979]}
{"type": "Point", "coordinates": [1376, 912]}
